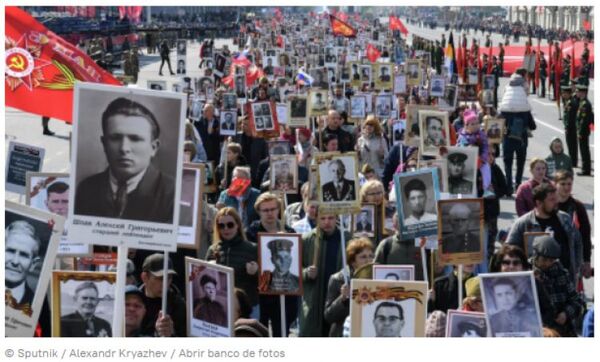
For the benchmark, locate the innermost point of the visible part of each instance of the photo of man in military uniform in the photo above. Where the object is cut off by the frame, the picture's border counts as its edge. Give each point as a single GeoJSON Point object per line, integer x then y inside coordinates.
{"type": "Point", "coordinates": [457, 183]}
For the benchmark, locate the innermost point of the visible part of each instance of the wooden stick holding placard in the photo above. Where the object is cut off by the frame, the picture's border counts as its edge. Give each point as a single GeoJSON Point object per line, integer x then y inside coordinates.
{"type": "Point", "coordinates": [165, 283]}
{"type": "Point", "coordinates": [424, 259]}
{"type": "Point", "coordinates": [225, 167]}
{"type": "Point", "coordinates": [460, 285]}
{"type": "Point", "coordinates": [344, 261]}
{"type": "Point", "coordinates": [118, 328]}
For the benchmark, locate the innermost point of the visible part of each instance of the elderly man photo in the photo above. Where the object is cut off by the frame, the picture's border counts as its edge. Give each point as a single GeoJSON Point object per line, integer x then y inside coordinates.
{"type": "Point", "coordinates": [131, 187]}
{"type": "Point", "coordinates": [461, 240]}
{"type": "Point", "coordinates": [21, 258]}
{"type": "Point", "coordinates": [415, 194]}
{"type": "Point", "coordinates": [457, 183]}
{"type": "Point", "coordinates": [208, 308]}
{"type": "Point", "coordinates": [282, 278]}
{"type": "Point", "coordinates": [83, 322]}
{"type": "Point", "coordinates": [388, 319]}
{"type": "Point", "coordinates": [339, 188]}
{"type": "Point", "coordinates": [512, 316]}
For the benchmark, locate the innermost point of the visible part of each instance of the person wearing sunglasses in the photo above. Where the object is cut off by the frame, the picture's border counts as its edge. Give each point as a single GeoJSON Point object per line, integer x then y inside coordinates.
{"type": "Point", "coordinates": [231, 248]}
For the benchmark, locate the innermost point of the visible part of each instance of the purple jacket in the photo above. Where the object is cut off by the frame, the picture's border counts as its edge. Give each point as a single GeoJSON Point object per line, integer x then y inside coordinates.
{"type": "Point", "coordinates": [474, 139]}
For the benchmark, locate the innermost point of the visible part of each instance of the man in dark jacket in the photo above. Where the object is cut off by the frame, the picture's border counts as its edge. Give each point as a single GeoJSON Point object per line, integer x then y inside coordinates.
{"type": "Point", "coordinates": [164, 57]}
{"type": "Point", "coordinates": [334, 126]}
{"type": "Point", "coordinates": [570, 106]}
{"type": "Point", "coordinates": [208, 128]}
{"type": "Point", "coordinates": [445, 290]}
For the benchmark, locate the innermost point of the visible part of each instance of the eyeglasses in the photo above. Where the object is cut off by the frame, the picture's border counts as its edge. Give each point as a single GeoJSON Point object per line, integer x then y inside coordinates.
{"type": "Point", "coordinates": [513, 262]}
{"type": "Point", "coordinates": [229, 225]}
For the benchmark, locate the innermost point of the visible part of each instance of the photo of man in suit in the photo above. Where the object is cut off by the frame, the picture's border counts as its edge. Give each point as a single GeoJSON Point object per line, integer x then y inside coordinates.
{"type": "Point", "coordinates": [21, 258]}
{"type": "Point", "coordinates": [363, 224]}
{"type": "Point", "coordinates": [131, 187]}
{"type": "Point", "coordinates": [460, 240]}
{"type": "Point", "coordinates": [388, 319]}
{"type": "Point", "coordinates": [318, 104]}
{"type": "Point", "coordinates": [227, 122]}
{"type": "Point", "coordinates": [83, 322]}
{"type": "Point", "coordinates": [384, 75]}
{"type": "Point", "coordinates": [340, 188]}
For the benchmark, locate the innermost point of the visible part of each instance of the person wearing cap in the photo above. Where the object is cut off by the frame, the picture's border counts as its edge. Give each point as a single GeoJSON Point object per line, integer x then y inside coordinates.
{"type": "Point", "coordinates": [555, 281]}
{"type": "Point", "coordinates": [584, 119]}
{"type": "Point", "coordinates": [135, 310]}
{"type": "Point", "coordinates": [570, 106]}
{"type": "Point", "coordinates": [457, 183]}
{"type": "Point", "coordinates": [207, 308]}
{"type": "Point", "coordinates": [83, 322]}
{"type": "Point", "coordinates": [155, 322]}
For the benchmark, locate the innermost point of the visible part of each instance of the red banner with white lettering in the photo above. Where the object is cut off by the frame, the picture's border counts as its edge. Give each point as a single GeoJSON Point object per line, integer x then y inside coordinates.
{"type": "Point", "coordinates": [42, 68]}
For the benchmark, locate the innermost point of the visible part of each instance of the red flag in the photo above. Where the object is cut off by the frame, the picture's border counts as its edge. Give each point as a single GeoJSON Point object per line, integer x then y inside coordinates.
{"type": "Point", "coordinates": [372, 53]}
{"type": "Point", "coordinates": [394, 23]}
{"type": "Point", "coordinates": [42, 68]}
{"type": "Point", "coordinates": [280, 41]}
{"type": "Point", "coordinates": [341, 28]}
{"type": "Point", "coordinates": [587, 26]}
{"type": "Point", "coordinates": [573, 60]}
{"type": "Point", "coordinates": [402, 29]}
{"type": "Point", "coordinates": [238, 187]}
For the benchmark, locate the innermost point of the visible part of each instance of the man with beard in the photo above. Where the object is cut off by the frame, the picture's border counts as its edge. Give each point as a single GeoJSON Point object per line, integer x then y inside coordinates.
{"type": "Point", "coordinates": [83, 322]}
{"type": "Point", "coordinates": [546, 217]}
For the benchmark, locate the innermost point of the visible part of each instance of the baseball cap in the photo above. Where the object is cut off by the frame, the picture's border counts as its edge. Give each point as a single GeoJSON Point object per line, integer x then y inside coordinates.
{"type": "Point", "coordinates": [154, 265]}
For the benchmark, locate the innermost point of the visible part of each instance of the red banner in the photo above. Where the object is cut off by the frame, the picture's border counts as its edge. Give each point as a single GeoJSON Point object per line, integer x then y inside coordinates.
{"type": "Point", "coordinates": [42, 68]}
{"type": "Point", "coordinates": [372, 53]}
{"type": "Point", "coordinates": [341, 28]}
{"type": "Point", "coordinates": [396, 24]}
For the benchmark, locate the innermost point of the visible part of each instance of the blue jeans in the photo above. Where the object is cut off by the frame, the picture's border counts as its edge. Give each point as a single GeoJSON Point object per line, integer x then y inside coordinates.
{"type": "Point", "coordinates": [511, 147]}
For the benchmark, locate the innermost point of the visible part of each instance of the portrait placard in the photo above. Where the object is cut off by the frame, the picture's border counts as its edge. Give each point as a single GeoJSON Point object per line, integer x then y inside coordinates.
{"type": "Point", "coordinates": [365, 73]}
{"type": "Point", "coordinates": [319, 76]}
{"type": "Point", "coordinates": [278, 148]}
{"type": "Point", "coordinates": [228, 123]}
{"type": "Point", "coordinates": [489, 82]}
{"type": "Point", "coordinates": [472, 76]}
{"type": "Point", "coordinates": [416, 196]}
{"type": "Point", "coordinates": [468, 93]}
{"type": "Point", "coordinates": [414, 75]}
{"type": "Point", "coordinates": [400, 83]}
{"type": "Point", "coordinates": [319, 99]}
{"type": "Point", "coordinates": [229, 101]}
{"type": "Point", "coordinates": [460, 231]}
{"type": "Point", "coordinates": [441, 165]}
{"type": "Point", "coordinates": [263, 118]}
{"type": "Point", "coordinates": [368, 101]}
{"type": "Point", "coordinates": [196, 104]}
{"type": "Point", "coordinates": [354, 70]}
{"type": "Point", "coordinates": [31, 237]}
{"type": "Point", "coordinates": [240, 85]}
{"type": "Point", "coordinates": [398, 130]}
{"type": "Point", "coordinates": [181, 47]}
{"type": "Point", "coordinates": [528, 238]}
{"type": "Point", "coordinates": [435, 131]}
{"type": "Point", "coordinates": [487, 98]}
{"type": "Point", "coordinates": [383, 106]}
{"type": "Point", "coordinates": [383, 76]}
{"type": "Point", "coordinates": [181, 66]}
{"type": "Point", "coordinates": [125, 194]}
{"type": "Point", "coordinates": [358, 107]}
{"type": "Point", "coordinates": [190, 206]}
{"type": "Point", "coordinates": [49, 192]}
{"type": "Point", "coordinates": [385, 308]}
{"type": "Point", "coordinates": [280, 264]}
{"type": "Point", "coordinates": [160, 85]}
{"type": "Point", "coordinates": [448, 101]}
{"type": "Point", "coordinates": [83, 303]}
{"type": "Point", "coordinates": [394, 272]}
{"type": "Point", "coordinates": [437, 85]}
{"type": "Point", "coordinates": [510, 301]}
{"type": "Point", "coordinates": [282, 113]}
{"type": "Point", "coordinates": [337, 182]}
{"type": "Point", "coordinates": [464, 324]}
{"type": "Point", "coordinates": [412, 136]}
{"type": "Point", "coordinates": [284, 174]}
{"type": "Point", "coordinates": [209, 299]}
{"type": "Point", "coordinates": [21, 159]}
{"type": "Point", "coordinates": [494, 129]}
{"type": "Point", "coordinates": [365, 221]}
{"type": "Point", "coordinates": [462, 169]}
{"type": "Point", "coordinates": [298, 111]}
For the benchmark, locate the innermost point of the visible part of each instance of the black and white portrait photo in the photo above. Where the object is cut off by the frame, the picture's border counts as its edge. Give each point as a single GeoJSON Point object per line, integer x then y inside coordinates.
{"type": "Point", "coordinates": [449, 99]}
{"type": "Point", "coordinates": [511, 304]}
{"type": "Point", "coordinates": [489, 82]}
{"type": "Point", "coordinates": [387, 308]}
{"type": "Point", "coordinates": [157, 85]}
{"type": "Point", "coordinates": [282, 113]}
{"type": "Point", "coordinates": [462, 324]}
{"type": "Point", "coordinates": [487, 98]}
{"type": "Point", "coordinates": [240, 85]}
{"type": "Point", "coordinates": [462, 170]}
{"type": "Point", "coordinates": [318, 102]}
{"type": "Point", "coordinates": [195, 107]}
{"type": "Point", "coordinates": [393, 272]}
{"type": "Point", "coordinates": [31, 241]}
{"type": "Point", "coordinates": [416, 196]}
{"type": "Point", "coordinates": [126, 164]}
{"type": "Point", "coordinates": [461, 230]}
{"type": "Point", "coordinates": [413, 72]}
{"type": "Point", "coordinates": [320, 78]}
{"type": "Point", "coordinates": [435, 131]}
{"type": "Point", "coordinates": [398, 129]}
{"type": "Point", "coordinates": [494, 129]}
{"type": "Point", "coordinates": [181, 66]}
{"type": "Point", "coordinates": [190, 206]}
{"type": "Point", "coordinates": [437, 85]}
{"type": "Point", "coordinates": [472, 76]}
{"type": "Point", "coordinates": [357, 107]}
{"type": "Point", "coordinates": [284, 173]}
{"type": "Point", "coordinates": [298, 108]}
{"type": "Point", "coordinates": [209, 299]}
{"type": "Point", "coordinates": [181, 47]}
{"type": "Point", "coordinates": [338, 179]}
{"type": "Point", "coordinates": [262, 113]}
{"type": "Point", "coordinates": [278, 148]}
{"type": "Point", "coordinates": [84, 302]}
{"type": "Point", "coordinates": [365, 73]}
{"type": "Point", "coordinates": [354, 73]}
{"type": "Point", "coordinates": [229, 101]}
{"type": "Point", "coordinates": [228, 120]}
{"type": "Point", "coordinates": [280, 266]}
{"type": "Point", "coordinates": [383, 78]}
{"type": "Point", "coordinates": [364, 221]}
{"type": "Point", "coordinates": [383, 106]}
{"type": "Point", "coordinates": [400, 83]}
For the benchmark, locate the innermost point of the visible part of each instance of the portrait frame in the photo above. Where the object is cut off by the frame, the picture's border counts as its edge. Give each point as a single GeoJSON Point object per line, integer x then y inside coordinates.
{"type": "Point", "coordinates": [449, 99]}
{"type": "Point", "coordinates": [265, 263]}
{"type": "Point", "coordinates": [287, 159]}
{"type": "Point", "coordinates": [324, 179]}
{"type": "Point", "coordinates": [181, 47]}
{"type": "Point", "coordinates": [412, 135]}
{"type": "Point", "coordinates": [489, 82]}
{"type": "Point", "coordinates": [468, 92]}
{"type": "Point", "coordinates": [526, 300]}
{"type": "Point", "coordinates": [366, 295]}
{"type": "Point", "coordinates": [318, 108]}
{"type": "Point", "coordinates": [380, 82]}
{"type": "Point", "coordinates": [469, 171]}
{"type": "Point", "coordinates": [472, 76]}
{"type": "Point", "coordinates": [21, 317]}
{"type": "Point", "coordinates": [414, 75]}
{"type": "Point", "coordinates": [487, 98]}
{"type": "Point", "coordinates": [229, 101]}
{"type": "Point", "coordinates": [282, 113]}
{"type": "Point", "coordinates": [429, 225]}
{"type": "Point", "coordinates": [20, 159]}
{"type": "Point", "coordinates": [66, 247]}
{"type": "Point", "coordinates": [366, 73]}
{"type": "Point", "coordinates": [355, 77]}
{"type": "Point", "coordinates": [188, 236]}
{"type": "Point", "coordinates": [400, 83]}
{"type": "Point", "coordinates": [60, 276]}
{"type": "Point", "coordinates": [403, 272]}
{"type": "Point", "coordinates": [224, 276]}
{"type": "Point", "coordinates": [153, 231]}
{"type": "Point", "coordinates": [258, 117]}
{"type": "Point", "coordinates": [437, 85]}
{"type": "Point", "coordinates": [426, 147]}
{"type": "Point", "coordinates": [383, 106]}
{"type": "Point", "coordinates": [358, 106]}
{"type": "Point", "coordinates": [278, 144]}
{"type": "Point", "coordinates": [528, 238]}
{"type": "Point", "coordinates": [442, 167]}
{"type": "Point", "coordinates": [295, 117]}
{"type": "Point", "coordinates": [474, 235]}
{"type": "Point", "coordinates": [240, 92]}
{"type": "Point", "coordinates": [196, 106]}
{"type": "Point", "coordinates": [494, 129]}
{"type": "Point", "coordinates": [372, 210]}
{"type": "Point", "coordinates": [398, 131]}
{"type": "Point", "coordinates": [457, 321]}
{"type": "Point", "coordinates": [227, 132]}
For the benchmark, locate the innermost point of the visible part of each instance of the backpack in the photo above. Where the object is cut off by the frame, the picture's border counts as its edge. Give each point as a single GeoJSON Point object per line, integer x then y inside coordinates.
{"type": "Point", "coordinates": [516, 128]}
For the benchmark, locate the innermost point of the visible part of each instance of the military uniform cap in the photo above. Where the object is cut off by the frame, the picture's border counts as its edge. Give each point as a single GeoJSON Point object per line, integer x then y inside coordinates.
{"type": "Point", "coordinates": [457, 157]}
{"type": "Point", "coordinates": [280, 244]}
{"type": "Point", "coordinates": [566, 88]}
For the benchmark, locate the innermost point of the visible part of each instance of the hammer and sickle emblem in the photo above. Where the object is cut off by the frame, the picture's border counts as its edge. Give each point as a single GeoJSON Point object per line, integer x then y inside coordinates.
{"type": "Point", "coordinates": [17, 62]}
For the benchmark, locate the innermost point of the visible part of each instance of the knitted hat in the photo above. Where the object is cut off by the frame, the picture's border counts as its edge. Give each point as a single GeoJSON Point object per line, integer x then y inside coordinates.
{"type": "Point", "coordinates": [435, 326]}
{"type": "Point", "coordinates": [470, 116]}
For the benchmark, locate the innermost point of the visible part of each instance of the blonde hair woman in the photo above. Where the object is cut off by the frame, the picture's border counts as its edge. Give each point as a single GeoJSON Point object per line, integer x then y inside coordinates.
{"type": "Point", "coordinates": [371, 146]}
